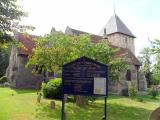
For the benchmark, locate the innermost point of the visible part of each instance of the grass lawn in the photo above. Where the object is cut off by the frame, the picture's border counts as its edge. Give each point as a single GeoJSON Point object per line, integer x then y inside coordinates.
{"type": "Point", "coordinates": [21, 105]}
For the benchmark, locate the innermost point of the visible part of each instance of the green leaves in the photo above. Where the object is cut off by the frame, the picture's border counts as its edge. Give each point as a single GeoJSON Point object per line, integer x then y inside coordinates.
{"type": "Point", "coordinates": [4, 60]}
{"type": "Point", "coordinates": [56, 49]}
{"type": "Point", "coordinates": [10, 15]}
{"type": "Point", "coordinates": [151, 62]}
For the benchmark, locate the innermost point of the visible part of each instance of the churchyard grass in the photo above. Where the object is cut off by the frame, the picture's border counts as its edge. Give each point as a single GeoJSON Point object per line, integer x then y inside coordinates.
{"type": "Point", "coordinates": [22, 105]}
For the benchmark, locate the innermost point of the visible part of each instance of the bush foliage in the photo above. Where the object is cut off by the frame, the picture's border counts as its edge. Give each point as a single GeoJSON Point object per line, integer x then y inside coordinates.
{"type": "Point", "coordinates": [132, 91]}
{"type": "Point", "coordinates": [4, 60]}
{"type": "Point", "coordinates": [52, 89]}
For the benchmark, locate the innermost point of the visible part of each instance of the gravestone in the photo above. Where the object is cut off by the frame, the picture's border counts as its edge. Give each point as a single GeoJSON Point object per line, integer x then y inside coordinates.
{"type": "Point", "coordinates": [52, 104]}
{"type": "Point", "coordinates": [155, 115]}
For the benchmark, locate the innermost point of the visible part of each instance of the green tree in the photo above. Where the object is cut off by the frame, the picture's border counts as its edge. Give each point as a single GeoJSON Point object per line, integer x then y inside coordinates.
{"type": "Point", "coordinates": [53, 50]}
{"type": "Point", "coordinates": [155, 51]}
{"type": "Point", "coordinates": [152, 68]}
{"type": "Point", "coordinates": [155, 47]}
{"type": "Point", "coordinates": [10, 15]}
{"type": "Point", "coordinates": [156, 71]}
{"type": "Point", "coordinates": [4, 60]}
{"type": "Point", "coordinates": [145, 59]}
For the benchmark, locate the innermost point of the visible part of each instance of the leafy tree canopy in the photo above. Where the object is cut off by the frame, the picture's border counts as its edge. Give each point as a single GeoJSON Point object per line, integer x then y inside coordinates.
{"type": "Point", "coordinates": [4, 60]}
{"type": "Point", "coordinates": [146, 67]}
{"type": "Point", "coordinates": [151, 68]}
{"type": "Point", "coordinates": [154, 50]}
{"type": "Point", "coordinates": [53, 50]}
{"type": "Point", "coordinates": [10, 15]}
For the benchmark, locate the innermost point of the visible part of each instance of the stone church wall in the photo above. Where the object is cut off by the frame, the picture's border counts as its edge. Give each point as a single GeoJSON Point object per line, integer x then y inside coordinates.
{"type": "Point", "coordinates": [121, 40]}
{"type": "Point", "coordinates": [19, 76]}
{"type": "Point", "coordinates": [142, 82]}
{"type": "Point", "coordinates": [121, 87]}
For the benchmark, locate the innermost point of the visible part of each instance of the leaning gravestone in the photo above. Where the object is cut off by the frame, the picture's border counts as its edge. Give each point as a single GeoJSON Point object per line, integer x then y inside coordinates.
{"type": "Point", "coordinates": [155, 115]}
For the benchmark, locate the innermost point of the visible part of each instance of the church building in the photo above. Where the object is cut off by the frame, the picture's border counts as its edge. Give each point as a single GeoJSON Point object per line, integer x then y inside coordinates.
{"type": "Point", "coordinates": [118, 36]}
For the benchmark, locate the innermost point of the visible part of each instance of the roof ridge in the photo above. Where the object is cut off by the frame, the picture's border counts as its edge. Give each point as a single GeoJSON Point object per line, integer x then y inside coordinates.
{"type": "Point", "coordinates": [80, 31]}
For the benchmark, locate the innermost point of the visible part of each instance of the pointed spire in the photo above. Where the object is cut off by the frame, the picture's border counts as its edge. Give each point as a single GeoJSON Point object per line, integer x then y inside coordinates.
{"type": "Point", "coordinates": [115, 25]}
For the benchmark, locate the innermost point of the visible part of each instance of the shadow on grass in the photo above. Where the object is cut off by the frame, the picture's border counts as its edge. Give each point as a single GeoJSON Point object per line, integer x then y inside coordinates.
{"type": "Point", "coordinates": [93, 111]}
{"type": "Point", "coordinates": [23, 91]}
{"type": "Point", "coordinates": [44, 112]}
{"type": "Point", "coordinates": [111, 96]}
{"type": "Point", "coordinates": [147, 98]}
{"type": "Point", "coordinates": [120, 112]}
{"type": "Point", "coordinates": [115, 112]}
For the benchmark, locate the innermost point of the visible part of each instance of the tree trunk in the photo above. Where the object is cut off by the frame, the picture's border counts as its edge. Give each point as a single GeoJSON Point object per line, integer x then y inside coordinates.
{"type": "Point", "coordinates": [81, 101]}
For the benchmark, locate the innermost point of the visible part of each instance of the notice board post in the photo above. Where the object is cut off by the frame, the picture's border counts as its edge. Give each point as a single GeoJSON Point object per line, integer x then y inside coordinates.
{"type": "Point", "coordinates": [85, 77]}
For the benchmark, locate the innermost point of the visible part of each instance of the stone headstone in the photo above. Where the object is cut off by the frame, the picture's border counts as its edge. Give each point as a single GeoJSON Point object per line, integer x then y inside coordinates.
{"type": "Point", "coordinates": [53, 104]}
{"type": "Point", "coordinates": [39, 97]}
{"type": "Point", "coordinates": [155, 115]}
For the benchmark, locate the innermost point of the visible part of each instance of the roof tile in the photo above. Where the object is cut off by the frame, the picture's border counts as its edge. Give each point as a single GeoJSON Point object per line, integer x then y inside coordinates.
{"type": "Point", "coordinates": [26, 42]}
{"type": "Point", "coordinates": [121, 53]}
{"type": "Point", "coordinates": [115, 25]}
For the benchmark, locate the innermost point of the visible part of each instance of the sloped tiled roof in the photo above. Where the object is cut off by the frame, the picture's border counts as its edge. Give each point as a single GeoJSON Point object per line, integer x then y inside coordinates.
{"type": "Point", "coordinates": [26, 42]}
{"type": "Point", "coordinates": [124, 52]}
{"type": "Point", "coordinates": [121, 53]}
{"type": "Point", "coordinates": [115, 25]}
{"type": "Point", "coordinates": [72, 31]}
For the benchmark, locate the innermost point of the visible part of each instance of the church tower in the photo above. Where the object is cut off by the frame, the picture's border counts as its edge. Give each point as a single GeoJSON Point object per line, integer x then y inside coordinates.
{"type": "Point", "coordinates": [118, 34]}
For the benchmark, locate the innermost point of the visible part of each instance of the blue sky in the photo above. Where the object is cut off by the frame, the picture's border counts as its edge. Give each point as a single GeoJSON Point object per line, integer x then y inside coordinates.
{"type": "Point", "coordinates": [141, 16]}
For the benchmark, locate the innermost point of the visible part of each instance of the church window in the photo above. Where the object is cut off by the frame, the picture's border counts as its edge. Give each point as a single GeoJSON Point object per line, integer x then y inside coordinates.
{"type": "Point", "coordinates": [128, 75]}
{"type": "Point", "coordinates": [126, 40]}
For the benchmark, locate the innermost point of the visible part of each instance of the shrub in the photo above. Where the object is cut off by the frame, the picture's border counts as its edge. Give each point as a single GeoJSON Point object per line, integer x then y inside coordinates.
{"type": "Point", "coordinates": [132, 91]}
{"type": "Point", "coordinates": [53, 89]}
{"type": "Point", "coordinates": [3, 79]}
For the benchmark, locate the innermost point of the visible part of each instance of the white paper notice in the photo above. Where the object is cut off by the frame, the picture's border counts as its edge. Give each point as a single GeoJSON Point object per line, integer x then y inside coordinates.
{"type": "Point", "coordinates": [100, 86]}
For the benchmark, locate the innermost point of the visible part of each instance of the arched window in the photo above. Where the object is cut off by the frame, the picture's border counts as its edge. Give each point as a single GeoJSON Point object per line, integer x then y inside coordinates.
{"type": "Point", "coordinates": [128, 75]}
